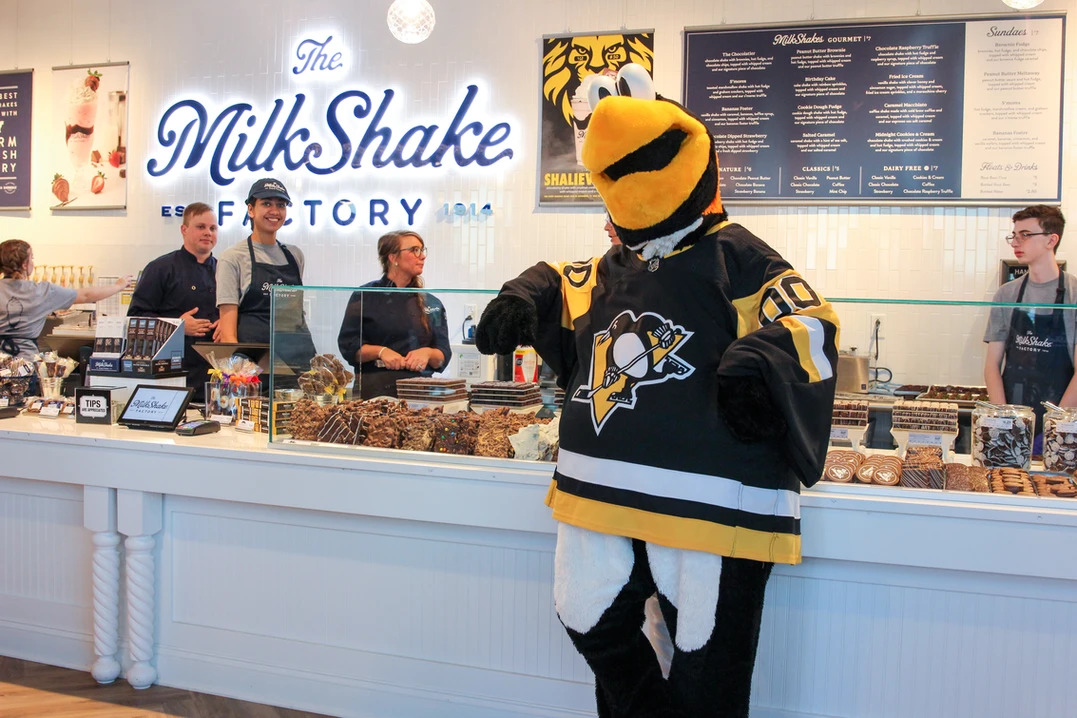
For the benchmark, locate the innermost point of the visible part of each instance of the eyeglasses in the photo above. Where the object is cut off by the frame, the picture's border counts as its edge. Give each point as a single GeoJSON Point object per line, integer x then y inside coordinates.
{"type": "Point", "coordinates": [419, 251]}
{"type": "Point", "coordinates": [1017, 238]}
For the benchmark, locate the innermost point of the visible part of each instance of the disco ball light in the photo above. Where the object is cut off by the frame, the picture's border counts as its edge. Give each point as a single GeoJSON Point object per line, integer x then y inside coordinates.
{"type": "Point", "coordinates": [411, 21]}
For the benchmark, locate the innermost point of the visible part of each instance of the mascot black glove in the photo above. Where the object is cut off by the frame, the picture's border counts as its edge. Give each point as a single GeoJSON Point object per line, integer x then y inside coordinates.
{"type": "Point", "coordinates": [507, 322]}
{"type": "Point", "coordinates": [748, 410]}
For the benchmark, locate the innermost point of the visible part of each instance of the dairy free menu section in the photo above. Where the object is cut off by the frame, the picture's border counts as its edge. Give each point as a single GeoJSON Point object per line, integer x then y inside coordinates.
{"type": "Point", "coordinates": [963, 111]}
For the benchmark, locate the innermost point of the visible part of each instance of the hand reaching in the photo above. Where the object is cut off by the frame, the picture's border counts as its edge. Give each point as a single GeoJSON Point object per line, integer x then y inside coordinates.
{"type": "Point", "coordinates": [507, 322]}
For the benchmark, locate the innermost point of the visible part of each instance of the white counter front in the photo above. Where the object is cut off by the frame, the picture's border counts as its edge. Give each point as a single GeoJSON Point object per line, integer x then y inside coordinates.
{"type": "Point", "coordinates": [382, 583]}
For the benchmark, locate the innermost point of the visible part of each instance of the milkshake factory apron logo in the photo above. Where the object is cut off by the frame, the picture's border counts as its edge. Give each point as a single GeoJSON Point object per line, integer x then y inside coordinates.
{"type": "Point", "coordinates": [355, 132]}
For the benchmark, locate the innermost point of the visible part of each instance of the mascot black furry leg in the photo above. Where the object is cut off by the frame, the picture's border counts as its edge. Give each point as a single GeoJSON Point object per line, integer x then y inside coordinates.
{"type": "Point", "coordinates": [698, 368]}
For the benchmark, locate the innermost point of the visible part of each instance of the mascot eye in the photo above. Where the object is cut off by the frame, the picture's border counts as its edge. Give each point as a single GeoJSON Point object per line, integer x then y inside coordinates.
{"type": "Point", "coordinates": [633, 81]}
{"type": "Point", "coordinates": [599, 88]}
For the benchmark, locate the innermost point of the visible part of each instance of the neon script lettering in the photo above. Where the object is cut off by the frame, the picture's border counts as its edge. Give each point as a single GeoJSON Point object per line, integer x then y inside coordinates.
{"type": "Point", "coordinates": [238, 140]}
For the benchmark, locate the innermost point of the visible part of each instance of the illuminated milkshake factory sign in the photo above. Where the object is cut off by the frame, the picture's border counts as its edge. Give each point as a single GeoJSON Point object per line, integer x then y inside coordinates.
{"type": "Point", "coordinates": [354, 134]}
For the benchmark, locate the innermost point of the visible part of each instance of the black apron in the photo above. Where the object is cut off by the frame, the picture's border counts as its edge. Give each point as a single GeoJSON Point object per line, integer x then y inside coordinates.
{"type": "Point", "coordinates": [8, 346]}
{"type": "Point", "coordinates": [1039, 369]}
{"type": "Point", "coordinates": [293, 346]}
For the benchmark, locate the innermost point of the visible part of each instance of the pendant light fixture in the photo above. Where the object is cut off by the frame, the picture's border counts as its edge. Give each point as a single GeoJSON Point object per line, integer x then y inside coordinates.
{"type": "Point", "coordinates": [411, 21]}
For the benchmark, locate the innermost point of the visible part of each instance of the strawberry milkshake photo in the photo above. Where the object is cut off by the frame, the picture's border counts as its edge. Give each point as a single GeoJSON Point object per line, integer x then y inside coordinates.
{"type": "Point", "coordinates": [87, 173]}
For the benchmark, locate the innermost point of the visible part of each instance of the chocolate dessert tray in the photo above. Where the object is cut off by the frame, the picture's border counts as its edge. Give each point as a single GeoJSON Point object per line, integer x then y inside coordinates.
{"type": "Point", "coordinates": [964, 396]}
{"type": "Point", "coordinates": [522, 409]}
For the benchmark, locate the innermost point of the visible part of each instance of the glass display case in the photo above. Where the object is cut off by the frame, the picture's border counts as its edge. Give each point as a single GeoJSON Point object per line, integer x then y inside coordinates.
{"type": "Point", "coordinates": [910, 374]}
{"type": "Point", "coordinates": [393, 368]}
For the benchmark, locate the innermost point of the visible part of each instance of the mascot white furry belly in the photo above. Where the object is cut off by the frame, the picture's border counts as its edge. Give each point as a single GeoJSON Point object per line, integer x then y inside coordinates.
{"type": "Point", "coordinates": [698, 369]}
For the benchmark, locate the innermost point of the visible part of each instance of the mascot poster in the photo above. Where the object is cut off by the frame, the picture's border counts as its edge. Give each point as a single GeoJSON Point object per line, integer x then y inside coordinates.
{"type": "Point", "coordinates": [567, 61]}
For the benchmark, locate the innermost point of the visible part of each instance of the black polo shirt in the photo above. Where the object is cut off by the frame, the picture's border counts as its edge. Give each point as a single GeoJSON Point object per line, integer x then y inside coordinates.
{"type": "Point", "coordinates": [172, 285]}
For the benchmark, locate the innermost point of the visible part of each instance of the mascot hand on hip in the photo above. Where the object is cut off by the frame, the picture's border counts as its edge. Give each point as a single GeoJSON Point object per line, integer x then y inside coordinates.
{"type": "Point", "coordinates": [698, 369]}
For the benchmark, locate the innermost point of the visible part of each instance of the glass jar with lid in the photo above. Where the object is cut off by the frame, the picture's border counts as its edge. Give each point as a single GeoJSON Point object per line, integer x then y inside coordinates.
{"type": "Point", "coordinates": [1060, 439]}
{"type": "Point", "coordinates": [1002, 436]}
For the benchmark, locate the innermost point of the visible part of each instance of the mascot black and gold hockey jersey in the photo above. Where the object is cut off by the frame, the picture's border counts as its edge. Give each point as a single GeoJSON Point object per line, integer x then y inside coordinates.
{"type": "Point", "coordinates": [643, 452]}
{"type": "Point", "coordinates": [698, 369]}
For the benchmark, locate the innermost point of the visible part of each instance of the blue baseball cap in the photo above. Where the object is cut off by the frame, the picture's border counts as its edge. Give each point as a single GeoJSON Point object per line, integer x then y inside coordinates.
{"type": "Point", "coordinates": [268, 187]}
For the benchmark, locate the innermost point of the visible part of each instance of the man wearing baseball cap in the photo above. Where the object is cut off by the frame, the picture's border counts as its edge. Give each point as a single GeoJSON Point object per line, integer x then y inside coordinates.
{"type": "Point", "coordinates": [247, 270]}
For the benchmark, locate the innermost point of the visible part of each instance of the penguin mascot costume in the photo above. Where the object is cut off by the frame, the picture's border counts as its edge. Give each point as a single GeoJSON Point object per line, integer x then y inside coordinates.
{"type": "Point", "coordinates": [698, 370]}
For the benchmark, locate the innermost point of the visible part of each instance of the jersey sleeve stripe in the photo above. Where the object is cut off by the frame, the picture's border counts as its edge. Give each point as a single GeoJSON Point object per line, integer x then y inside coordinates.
{"type": "Point", "coordinates": [809, 338]}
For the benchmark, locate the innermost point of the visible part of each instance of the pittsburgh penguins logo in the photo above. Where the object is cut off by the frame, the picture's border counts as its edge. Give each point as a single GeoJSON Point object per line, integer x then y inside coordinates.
{"type": "Point", "coordinates": [631, 352]}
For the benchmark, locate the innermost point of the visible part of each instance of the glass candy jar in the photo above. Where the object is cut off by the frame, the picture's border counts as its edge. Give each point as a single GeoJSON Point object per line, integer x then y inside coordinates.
{"type": "Point", "coordinates": [1060, 439]}
{"type": "Point", "coordinates": [1002, 436]}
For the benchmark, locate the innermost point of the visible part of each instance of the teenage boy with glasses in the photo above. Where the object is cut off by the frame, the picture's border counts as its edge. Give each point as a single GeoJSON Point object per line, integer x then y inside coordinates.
{"type": "Point", "coordinates": [1030, 352]}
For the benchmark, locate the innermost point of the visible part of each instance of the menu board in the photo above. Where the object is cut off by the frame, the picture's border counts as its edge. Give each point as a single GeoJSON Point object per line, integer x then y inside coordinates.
{"type": "Point", "coordinates": [962, 111]}
{"type": "Point", "coordinates": [16, 102]}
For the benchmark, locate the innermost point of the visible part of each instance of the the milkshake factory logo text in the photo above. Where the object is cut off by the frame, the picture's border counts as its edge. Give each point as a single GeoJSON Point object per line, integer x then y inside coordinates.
{"type": "Point", "coordinates": [355, 133]}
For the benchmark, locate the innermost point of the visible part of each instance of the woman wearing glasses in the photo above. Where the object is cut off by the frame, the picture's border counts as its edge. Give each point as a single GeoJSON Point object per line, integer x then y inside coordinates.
{"type": "Point", "coordinates": [1030, 355]}
{"type": "Point", "coordinates": [394, 335]}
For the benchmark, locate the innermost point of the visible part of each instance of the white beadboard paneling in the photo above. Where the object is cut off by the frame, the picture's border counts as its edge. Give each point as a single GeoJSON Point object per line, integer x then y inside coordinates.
{"type": "Point", "coordinates": [44, 551]}
{"type": "Point", "coordinates": [835, 643]}
{"type": "Point", "coordinates": [468, 601]}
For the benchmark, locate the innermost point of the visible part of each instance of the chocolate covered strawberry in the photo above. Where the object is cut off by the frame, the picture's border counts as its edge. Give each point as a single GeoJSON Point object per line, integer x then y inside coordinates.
{"type": "Point", "coordinates": [97, 183]}
{"type": "Point", "coordinates": [61, 188]}
{"type": "Point", "coordinates": [93, 79]}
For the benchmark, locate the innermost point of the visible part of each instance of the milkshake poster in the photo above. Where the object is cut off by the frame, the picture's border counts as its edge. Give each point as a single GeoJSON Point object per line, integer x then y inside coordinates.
{"type": "Point", "coordinates": [567, 60]}
{"type": "Point", "coordinates": [88, 137]}
{"type": "Point", "coordinates": [16, 90]}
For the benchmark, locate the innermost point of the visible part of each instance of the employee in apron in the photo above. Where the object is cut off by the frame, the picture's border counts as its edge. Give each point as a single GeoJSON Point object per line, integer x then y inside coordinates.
{"type": "Point", "coordinates": [1030, 352]}
{"type": "Point", "coordinates": [247, 271]}
{"type": "Point", "coordinates": [25, 304]}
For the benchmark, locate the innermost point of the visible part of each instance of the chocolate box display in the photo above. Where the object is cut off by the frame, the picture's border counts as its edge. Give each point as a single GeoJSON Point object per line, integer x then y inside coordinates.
{"type": "Point", "coordinates": [923, 468]}
{"type": "Point", "coordinates": [849, 413]}
{"type": "Point", "coordinates": [391, 424]}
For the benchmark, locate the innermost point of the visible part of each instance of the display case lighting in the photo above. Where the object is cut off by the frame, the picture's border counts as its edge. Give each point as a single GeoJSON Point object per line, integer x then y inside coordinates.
{"type": "Point", "coordinates": [411, 21]}
{"type": "Point", "coordinates": [1022, 4]}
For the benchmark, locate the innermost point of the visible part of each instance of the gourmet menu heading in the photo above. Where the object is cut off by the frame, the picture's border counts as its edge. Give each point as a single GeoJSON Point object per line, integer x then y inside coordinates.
{"type": "Point", "coordinates": [918, 111]}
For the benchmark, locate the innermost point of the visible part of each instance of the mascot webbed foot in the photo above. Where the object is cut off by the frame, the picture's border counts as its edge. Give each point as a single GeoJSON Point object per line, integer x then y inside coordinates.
{"type": "Point", "coordinates": [748, 410]}
{"type": "Point", "coordinates": [506, 323]}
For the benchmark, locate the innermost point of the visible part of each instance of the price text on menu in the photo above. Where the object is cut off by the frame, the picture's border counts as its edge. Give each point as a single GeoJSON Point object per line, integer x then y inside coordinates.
{"type": "Point", "coordinates": [917, 111]}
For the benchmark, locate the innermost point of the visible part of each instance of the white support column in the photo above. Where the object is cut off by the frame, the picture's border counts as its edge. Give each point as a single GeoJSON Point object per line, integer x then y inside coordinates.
{"type": "Point", "coordinates": [99, 516]}
{"type": "Point", "coordinates": [139, 518]}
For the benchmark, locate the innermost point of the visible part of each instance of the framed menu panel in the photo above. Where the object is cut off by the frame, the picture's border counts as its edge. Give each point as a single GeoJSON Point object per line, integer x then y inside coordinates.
{"type": "Point", "coordinates": [922, 111]}
{"type": "Point", "coordinates": [16, 105]}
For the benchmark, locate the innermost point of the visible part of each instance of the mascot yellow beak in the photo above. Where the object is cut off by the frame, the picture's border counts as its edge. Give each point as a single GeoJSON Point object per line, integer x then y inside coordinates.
{"type": "Point", "coordinates": [654, 164]}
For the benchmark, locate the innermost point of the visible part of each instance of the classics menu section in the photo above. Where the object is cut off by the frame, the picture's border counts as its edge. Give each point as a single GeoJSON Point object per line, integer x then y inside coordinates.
{"type": "Point", "coordinates": [963, 111]}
